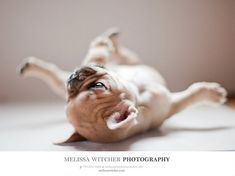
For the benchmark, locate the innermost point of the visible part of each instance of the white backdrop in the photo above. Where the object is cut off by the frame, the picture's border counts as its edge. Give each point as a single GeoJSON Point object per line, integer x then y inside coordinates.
{"type": "Point", "coordinates": [186, 40]}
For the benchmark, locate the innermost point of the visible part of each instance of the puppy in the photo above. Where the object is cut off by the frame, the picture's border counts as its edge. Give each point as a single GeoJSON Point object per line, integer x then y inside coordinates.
{"type": "Point", "coordinates": [112, 96]}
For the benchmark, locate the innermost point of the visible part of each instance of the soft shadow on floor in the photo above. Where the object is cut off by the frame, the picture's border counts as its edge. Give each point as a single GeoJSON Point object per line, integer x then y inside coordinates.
{"type": "Point", "coordinates": [125, 145]}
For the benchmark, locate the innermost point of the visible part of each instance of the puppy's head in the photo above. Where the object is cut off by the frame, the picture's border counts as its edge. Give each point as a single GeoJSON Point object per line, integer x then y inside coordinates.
{"type": "Point", "coordinates": [101, 105]}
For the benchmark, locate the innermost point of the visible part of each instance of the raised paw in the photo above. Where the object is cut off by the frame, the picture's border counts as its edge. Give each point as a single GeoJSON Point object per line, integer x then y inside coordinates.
{"type": "Point", "coordinates": [112, 33]}
{"type": "Point", "coordinates": [22, 67]}
{"type": "Point", "coordinates": [29, 64]}
{"type": "Point", "coordinates": [209, 92]}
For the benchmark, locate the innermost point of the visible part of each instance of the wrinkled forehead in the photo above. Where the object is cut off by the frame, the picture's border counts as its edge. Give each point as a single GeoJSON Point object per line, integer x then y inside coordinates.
{"type": "Point", "coordinates": [114, 79]}
{"type": "Point", "coordinates": [82, 77]}
{"type": "Point", "coordinates": [85, 72]}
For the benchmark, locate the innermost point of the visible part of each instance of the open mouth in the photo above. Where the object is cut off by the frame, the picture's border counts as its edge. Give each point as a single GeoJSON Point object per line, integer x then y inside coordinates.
{"type": "Point", "coordinates": [122, 116]}
{"type": "Point", "coordinates": [119, 119]}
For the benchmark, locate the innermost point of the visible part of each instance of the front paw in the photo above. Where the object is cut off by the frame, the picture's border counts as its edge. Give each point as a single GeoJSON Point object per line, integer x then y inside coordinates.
{"type": "Point", "coordinates": [209, 92]}
{"type": "Point", "coordinates": [26, 65]}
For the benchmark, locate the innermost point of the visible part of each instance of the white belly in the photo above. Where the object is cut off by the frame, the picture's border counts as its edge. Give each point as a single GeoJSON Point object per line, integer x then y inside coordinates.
{"type": "Point", "coordinates": [140, 75]}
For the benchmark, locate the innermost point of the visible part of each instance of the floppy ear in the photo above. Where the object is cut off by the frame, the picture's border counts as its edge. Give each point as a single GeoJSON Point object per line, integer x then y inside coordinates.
{"type": "Point", "coordinates": [70, 137]}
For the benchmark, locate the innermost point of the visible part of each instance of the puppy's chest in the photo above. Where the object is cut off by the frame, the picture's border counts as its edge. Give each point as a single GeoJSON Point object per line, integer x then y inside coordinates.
{"type": "Point", "coordinates": [156, 105]}
{"type": "Point", "coordinates": [137, 75]}
{"type": "Point", "coordinates": [151, 118]}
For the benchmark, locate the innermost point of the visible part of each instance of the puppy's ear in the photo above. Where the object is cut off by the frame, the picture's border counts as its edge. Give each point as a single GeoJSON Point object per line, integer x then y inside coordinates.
{"type": "Point", "coordinates": [73, 137]}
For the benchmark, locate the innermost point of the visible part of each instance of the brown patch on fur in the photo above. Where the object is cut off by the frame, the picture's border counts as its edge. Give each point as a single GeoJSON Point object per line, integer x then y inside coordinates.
{"type": "Point", "coordinates": [76, 80]}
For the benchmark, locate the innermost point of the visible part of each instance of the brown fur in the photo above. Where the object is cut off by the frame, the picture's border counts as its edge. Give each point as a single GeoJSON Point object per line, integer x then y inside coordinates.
{"type": "Point", "coordinates": [121, 99]}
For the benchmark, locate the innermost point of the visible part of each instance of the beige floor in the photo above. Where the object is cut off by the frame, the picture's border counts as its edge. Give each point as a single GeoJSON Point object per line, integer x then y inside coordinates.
{"type": "Point", "coordinates": [35, 126]}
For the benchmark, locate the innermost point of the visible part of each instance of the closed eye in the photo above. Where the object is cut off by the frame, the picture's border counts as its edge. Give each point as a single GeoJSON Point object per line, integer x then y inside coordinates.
{"type": "Point", "coordinates": [98, 85]}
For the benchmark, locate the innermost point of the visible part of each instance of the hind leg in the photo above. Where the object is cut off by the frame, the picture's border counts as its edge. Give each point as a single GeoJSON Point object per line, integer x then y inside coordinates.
{"type": "Point", "coordinates": [198, 93]}
{"type": "Point", "coordinates": [48, 72]}
{"type": "Point", "coordinates": [106, 48]}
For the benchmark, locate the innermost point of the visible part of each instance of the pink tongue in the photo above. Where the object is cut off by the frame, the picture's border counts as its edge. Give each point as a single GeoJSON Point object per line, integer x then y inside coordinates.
{"type": "Point", "coordinates": [122, 117]}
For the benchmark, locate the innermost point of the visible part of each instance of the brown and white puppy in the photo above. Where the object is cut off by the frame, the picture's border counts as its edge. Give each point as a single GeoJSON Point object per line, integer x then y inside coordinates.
{"type": "Point", "coordinates": [112, 96]}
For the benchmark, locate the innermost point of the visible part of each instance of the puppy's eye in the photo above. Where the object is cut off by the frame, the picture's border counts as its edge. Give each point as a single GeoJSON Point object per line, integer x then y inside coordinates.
{"type": "Point", "coordinates": [98, 85]}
